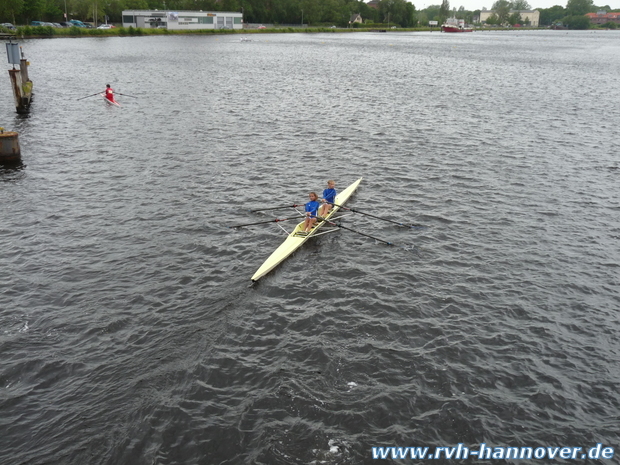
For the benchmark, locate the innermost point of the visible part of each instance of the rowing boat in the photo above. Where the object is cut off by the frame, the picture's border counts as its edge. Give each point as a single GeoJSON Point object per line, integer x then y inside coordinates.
{"type": "Point", "coordinates": [110, 102]}
{"type": "Point", "coordinates": [295, 240]}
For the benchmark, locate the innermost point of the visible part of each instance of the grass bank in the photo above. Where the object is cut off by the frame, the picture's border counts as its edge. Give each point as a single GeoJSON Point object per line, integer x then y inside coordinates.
{"type": "Point", "coordinates": [48, 31]}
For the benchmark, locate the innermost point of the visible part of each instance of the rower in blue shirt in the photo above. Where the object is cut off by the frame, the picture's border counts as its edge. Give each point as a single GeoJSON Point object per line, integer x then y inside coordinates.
{"type": "Point", "coordinates": [329, 197]}
{"type": "Point", "coordinates": [311, 212]}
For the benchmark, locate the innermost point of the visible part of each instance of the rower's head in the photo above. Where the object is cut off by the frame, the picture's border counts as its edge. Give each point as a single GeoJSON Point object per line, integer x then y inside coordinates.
{"type": "Point", "coordinates": [313, 196]}
{"type": "Point", "coordinates": [107, 85]}
{"type": "Point", "coordinates": [331, 184]}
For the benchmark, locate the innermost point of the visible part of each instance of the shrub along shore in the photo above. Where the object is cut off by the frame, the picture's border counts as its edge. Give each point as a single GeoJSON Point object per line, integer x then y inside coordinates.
{"type": "Point", "coordinates": [48, 31]}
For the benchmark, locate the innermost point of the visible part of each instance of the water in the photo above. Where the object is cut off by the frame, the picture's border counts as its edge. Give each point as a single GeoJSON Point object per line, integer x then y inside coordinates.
{"type": "Point", "coordinates": [130, 334]}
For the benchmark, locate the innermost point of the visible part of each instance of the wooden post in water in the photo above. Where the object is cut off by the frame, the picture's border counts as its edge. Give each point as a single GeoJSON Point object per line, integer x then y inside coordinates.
{"type": "Point", "coordinates": [20, 82]}
{"type": "Point", "coordinates": [9, 148]}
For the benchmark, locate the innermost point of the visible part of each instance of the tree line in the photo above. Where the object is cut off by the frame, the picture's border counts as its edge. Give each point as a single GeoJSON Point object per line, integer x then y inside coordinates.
{"type": "Point", "coordinates": [313, 12]}
{"type": "Point", "coordinates": [505, 12]}
{"type": "Point", "coordinates": [333, 12]}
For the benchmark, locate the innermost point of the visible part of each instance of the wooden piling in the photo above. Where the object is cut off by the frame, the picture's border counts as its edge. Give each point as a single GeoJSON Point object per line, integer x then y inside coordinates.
{"type": "Point", "coordinates": [10, 153]}
{"type": "Point", "coordinates": [22, 85]}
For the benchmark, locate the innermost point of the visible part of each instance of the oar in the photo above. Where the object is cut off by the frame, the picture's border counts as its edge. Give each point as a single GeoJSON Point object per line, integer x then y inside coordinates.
{"type": "Point", "coordinates": [275, 220]}
{"type": "Point", "coordinates": [98, 93]}
{"type": "Point", "coordinates": [353, 230]}
{"type": "Point", "coordinates": [379, 218]}
{"type": "Point", "coordinates": [276, 208]}
{"type": "Point", "coordinates": [118, 93]}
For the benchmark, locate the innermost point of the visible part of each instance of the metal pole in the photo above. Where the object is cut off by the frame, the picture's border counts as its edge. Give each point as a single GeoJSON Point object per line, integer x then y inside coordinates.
{"type": "Point", "coordinates": [302, 18]}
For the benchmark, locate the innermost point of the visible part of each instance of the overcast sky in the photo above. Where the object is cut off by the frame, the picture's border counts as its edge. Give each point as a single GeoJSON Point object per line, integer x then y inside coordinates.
{"type": "Point", "coordinates": [472, 5]}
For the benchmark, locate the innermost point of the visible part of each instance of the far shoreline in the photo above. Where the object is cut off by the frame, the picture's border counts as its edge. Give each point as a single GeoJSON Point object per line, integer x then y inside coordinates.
{"type": "Point", "coordinates": [48, 32]}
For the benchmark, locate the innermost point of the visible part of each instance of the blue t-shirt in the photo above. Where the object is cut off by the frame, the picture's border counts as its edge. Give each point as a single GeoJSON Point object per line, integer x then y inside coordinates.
{"type": "Point", "coordinates": [312, 207]}
{"type": "Point", "coordinates": [329, 195]}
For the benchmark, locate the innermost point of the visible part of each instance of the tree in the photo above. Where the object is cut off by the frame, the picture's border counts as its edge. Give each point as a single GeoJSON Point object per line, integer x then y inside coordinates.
{"type": "Point", "coordinates": [11, 9]}
{"type": "Point", "coordinates": [502, 10]}
{"type": "Point", "coordinates": [514, 18]}
{"type": "Point", "coordinates": [493, 20]}
{"type": "Point", "coordinates": [521, 5]}
{"type": "Point", "coordinates": [578, 7]}
{"type": "Point", "coordinates": [549, 16]}
{"type": "Point", "coordinates": [400, 12]}
{"type": "Point", "coordinates": [33, 10]}
{"type": "Point", "coordinates": [577, 22]}
{"type": "Point", "coordinates": [312, 11]}
{"type": "Point", "coordinates": [444, 11]}
{"type": "Point", "coordinates": [433, 12]}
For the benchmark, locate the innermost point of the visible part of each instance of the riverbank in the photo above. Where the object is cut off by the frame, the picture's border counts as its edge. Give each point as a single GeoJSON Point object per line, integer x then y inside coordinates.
{"type": "Point", "coordinates": [49, 32]}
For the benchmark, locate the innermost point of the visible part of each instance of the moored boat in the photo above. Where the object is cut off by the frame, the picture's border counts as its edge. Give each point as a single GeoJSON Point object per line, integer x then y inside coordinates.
{"type": "Point", "coordinates": [295, 240]}
{"type": "Point", "coordinates": [455, 25]}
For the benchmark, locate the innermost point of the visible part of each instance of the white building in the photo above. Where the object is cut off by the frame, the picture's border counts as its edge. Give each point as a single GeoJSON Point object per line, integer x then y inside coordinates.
{"type": "Point", "coordinates": [532, 15]}
{"type": "Point", "coordinates": [182, 20]}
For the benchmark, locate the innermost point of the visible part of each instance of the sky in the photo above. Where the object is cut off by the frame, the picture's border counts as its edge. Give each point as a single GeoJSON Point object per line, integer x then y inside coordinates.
{"type": "Point", "coordinates": [472, 5]}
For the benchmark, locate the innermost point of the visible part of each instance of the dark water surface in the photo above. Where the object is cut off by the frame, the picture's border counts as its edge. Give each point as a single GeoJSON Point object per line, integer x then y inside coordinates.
{"type": "Point", "coordinates": [129, 333]}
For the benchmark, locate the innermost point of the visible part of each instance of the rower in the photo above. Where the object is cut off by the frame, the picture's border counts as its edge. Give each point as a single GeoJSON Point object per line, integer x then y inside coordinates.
{"type": "Point", "coordinates": [109, 93]}
{"type": "Point", "coordinates": [311, 212]}
{"type": "Point", "coordinates": [329, 197]}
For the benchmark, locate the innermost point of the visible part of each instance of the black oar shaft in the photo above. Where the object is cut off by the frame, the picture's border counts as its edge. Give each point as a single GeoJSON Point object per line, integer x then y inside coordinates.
{"type": "Point", "coordinates": [275, 208]}
{"type": "Point", "coordinates": [355, 231]}
{"type": "Point", "coordinates": [82, 98]}
{"type": "Point", "coordinates": [364, 234]}
{"type": "Point", "coordinates": [125, 95]}
{"type": "Point", "coordinates": [275, 220]}
{"type": "Point", "coordinates": [380, 218]}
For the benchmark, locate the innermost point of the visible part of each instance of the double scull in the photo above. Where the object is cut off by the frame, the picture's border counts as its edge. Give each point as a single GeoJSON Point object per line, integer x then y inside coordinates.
{"type": "Point", "coordinates": [295, 240]}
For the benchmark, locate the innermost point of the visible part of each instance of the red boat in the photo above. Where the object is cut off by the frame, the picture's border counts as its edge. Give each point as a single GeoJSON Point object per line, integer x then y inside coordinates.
{"type": "Point", "coordinates": [110, 102]}
{"type": "Point", "coordinates": [455, 25]}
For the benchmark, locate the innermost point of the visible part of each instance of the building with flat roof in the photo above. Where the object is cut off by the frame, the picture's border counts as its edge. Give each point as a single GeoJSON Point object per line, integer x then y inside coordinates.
{"type": "Point", "coordinates": [532, 15]}
{"type": "Point", "coordinates": [182, 20]}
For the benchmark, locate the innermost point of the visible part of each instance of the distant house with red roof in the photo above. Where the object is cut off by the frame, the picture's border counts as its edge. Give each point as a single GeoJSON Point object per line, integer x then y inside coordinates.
{"type": "Point", "coordinates": [603, 17]}
{"type": "Point", "coordinates": [373, 4]}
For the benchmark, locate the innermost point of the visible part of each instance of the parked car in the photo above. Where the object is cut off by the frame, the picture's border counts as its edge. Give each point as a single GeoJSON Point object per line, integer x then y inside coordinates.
{"type": "Point", "coordinates": [75, 22]}
{"type": "Point", "coordinates": [36, 23]}
{"type": "Point", "coordinates": [8, 26]}
{"type": "Point", "coordinates": [105, 26]}
{"type": "Point", "coordinates": [64, 24]}
{"type": "Point", "coordinates": [57, 24]}
{"type": "Point", "coordinates": [261, 27]}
